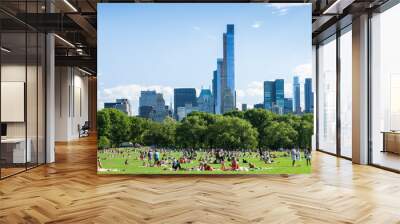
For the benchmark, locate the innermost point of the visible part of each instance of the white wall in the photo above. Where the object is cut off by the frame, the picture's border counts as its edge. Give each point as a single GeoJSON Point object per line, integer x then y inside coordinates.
{"type": "Point", "coordinates": [71, 103]}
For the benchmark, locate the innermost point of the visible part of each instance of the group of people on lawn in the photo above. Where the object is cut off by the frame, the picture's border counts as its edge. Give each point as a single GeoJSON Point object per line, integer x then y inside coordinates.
{"type": "Point", "coordinates": [152, 158]}
{"type": "Point", "coordinates": [215, 156]}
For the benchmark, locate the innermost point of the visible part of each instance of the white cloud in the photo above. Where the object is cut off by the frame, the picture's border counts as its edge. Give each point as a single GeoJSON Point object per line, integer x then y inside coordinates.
{"type": "Point", "coordinates": [132, 93]}
{"type": "Point", "coordinates": [196, 28]}
{"type": "Point", "coordinates": [303, 71]}
{"type": "Point", "coordinates": [253, 93]}
{"type": "Point", "coordinates": [286, 5]}
{"type": "Point", "coordinates": [282, 9]}
{"type": "Point", "coordinates": [256, 24]}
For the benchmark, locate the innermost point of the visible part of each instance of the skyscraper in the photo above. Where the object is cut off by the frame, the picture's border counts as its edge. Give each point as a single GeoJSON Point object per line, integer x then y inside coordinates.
{"type": "Point", "coordinates": [280, 93]}
{"type": "Point", "coordinates": [228, 99]}
{"type": "Point", "coordinates": [183, 96]}
{"type": "Point", "coordinates": [214, 90]}
{"type": "Point", "coordinates": [274, 95]}
{"type": "Point", "coordinates": [308, 96]}
{"type": "Point", "coordinates": [244, 106]}
{"type": "Point", "coordinates": [269, 94]}
{"type": "Point", "coordinates": [147, 98]}
{"type": "Point", "coordinates": [288, 106]}
{"type": "Point", "coordinates": [152, 106]}
{"type": "Point", "coordinates": [147, 102]}
{"type": "Point", "coordinates": [296, 95]}
{"type": "Point", "coordinates": [205, 101]}
{"type": "Point", "coordinates": [121, 105]}
{"type": "Point", "coordinates": [217, 86]}
{"type": "Point", "coordinates": [159, 111]}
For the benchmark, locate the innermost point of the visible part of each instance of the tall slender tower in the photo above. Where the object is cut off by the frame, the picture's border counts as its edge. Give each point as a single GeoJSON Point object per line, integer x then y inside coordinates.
{"type": "Point", "coordinates": [296, 95]}
{"type": "Point", "coordinates": [308, 96]}
{"type": "Point", "coordinates": [228, 98]}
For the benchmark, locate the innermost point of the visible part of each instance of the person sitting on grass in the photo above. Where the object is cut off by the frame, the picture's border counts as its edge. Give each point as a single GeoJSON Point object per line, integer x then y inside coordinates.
{"type": "Point", "coordinates": [201, 166]}
{"type": "Point", "coordinates": [234, 164]}
{"type": "Point", "coordinates": [208, 167]}
{"type": "Point", "coordinates": [252, 166]}
{"type": "Point", "coordinates": [176, 165]}
{"type": "Point", "coordinates": [126, 162]}
{"type": "Point", "coordinates": [223, 168]}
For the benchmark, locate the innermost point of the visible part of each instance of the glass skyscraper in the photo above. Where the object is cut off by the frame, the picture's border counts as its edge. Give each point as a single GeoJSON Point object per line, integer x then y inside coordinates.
{"type": "Point", "coordinates": [228, 99]}
{"type": "Point", "coordinates": [308, 96]}
{"type": "Point", "coordinates": [296, 95]}
{"type": "Point", "coordinates": [217, 86]}
{"type": "Point", "coordinates": [274, 95]}
{"type": "Point", "coordinates": [269, 94]}
{"type": "Point", "coordinates": [280, 93]}
{"type": "Point", "coordinates": [205, 101]}
{"type": "Point", "coordinates": [184, 96]}
{"type": "Point", "coordinates": [288, 106]}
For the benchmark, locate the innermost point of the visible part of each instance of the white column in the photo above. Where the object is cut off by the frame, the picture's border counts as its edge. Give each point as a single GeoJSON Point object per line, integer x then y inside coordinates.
{"type": "Point", "coordinates": [50, 99]}
{"type": "Point", "coordinates": [360, 90]}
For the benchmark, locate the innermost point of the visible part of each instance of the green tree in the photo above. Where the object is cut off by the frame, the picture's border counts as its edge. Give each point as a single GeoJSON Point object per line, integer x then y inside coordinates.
{"type": "Point", "coordinates": [160, 134]}
{"type": "Point", "coordinates": [137, 126]}
{"type": "Point", "coordinates": [119, 131]}
{"type": "Point", "coordinates": [233, 133]}
{"type": "Point", "coordinates": [103, 142]}
{"type": "Point", "coordinates": [259, 119]}
{"type": "Point", "coordinates": [235, 113]}
{"type": "Point", "coordinates": [280, 135]}
{"type": "Point", "coordinates": [306, 130]}
{"type": "Point", "coordinates": [103, 123]}
{"type": "Point", "coordinates": [191, 132]}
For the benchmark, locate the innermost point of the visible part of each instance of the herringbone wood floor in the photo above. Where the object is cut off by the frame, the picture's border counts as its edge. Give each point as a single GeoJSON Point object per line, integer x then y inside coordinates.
{"type": "Point", "coordinates": [70, 191]}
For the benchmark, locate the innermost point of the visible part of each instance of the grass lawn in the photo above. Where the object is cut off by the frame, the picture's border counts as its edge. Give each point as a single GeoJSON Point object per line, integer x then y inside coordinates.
{"type": "Point", "coordinates": [114, 163]}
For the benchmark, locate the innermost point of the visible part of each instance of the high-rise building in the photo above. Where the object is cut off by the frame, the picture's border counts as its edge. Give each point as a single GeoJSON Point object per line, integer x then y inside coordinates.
{"type": "Point", "coordinates": [183, 96]}
{"type": "Point", "coordinates": [244, 106]}
{"type": "Point", "coordinates": [308, 96]}
{"type": "Point", "coordinates": [258, 106]}
{"type": "Point", "coordinates": [228, 98]}
{"type": "Point", "coordinates": [205, 101]}
{"type": "Point", "coordinates": [296, 95]}
{"type": "Point", "coordinates": [280, 93]}
{"type": "Point", "coordinates": [159, 112]}
{"type": "Point", "coordinates": [217, 94]}
{"type": "Point", "coordinates": [120, 104]}
{"type": "Point", "coordinates": [274, 95]}
{"type": "Point", "coordinates": [288, 106]}
{"type": "Point", "coordinates": [147, 102]}
{"type": "Point", "coordinates": [147, 98]}
{"type": "Point", "coordinates": [269, 94]}
{"type": "Point", "coordinates": [182, 112]}
{"type": "Point", "coordinates": [214, 90]}
{"type": "Point", "coordinates": [152, 105]}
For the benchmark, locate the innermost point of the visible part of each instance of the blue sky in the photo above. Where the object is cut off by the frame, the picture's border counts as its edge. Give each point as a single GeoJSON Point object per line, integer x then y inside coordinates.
{"type": "Point", "coordinates": [164, 46]}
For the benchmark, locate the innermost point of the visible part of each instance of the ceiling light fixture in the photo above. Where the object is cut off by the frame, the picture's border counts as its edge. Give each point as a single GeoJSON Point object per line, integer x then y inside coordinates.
{"type": "Point", "coordinates": [64, 40]}
{"type": "Point", "coordinates": [5, 50]}
{"type": "Point", "coordinates": [84, 71]}
{"type": "Point", "coordinates": [70, 5]}
{"type": "Point", "coordinates": [337, 7]}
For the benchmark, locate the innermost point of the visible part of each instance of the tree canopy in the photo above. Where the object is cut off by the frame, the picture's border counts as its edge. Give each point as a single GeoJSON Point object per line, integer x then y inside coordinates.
{"type": "Point", "coordinates": [255, 128]}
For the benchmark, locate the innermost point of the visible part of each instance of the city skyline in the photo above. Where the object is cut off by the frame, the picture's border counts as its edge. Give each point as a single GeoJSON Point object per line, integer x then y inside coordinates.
{"type": "Point", "coordinates": [190, 99]}
{"type": "Point", "coordinates": [258, 55]}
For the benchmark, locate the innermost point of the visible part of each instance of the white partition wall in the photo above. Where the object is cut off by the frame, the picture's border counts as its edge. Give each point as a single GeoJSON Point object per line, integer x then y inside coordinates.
{"type": "Point", "coordinates": [71, 102]}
